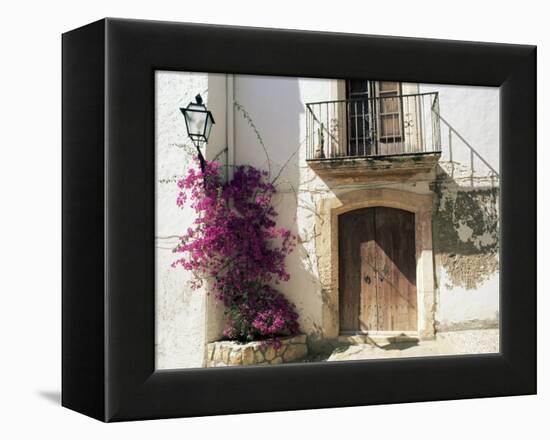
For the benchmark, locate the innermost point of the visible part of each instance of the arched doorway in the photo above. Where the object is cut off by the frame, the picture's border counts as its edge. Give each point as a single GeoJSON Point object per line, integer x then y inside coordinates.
{"type": "Point", "coordinates": [377, 270]}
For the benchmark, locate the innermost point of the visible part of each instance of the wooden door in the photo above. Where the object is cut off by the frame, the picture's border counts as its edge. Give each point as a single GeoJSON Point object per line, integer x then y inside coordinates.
{"type": "Point", "coordinates": [377, 270]}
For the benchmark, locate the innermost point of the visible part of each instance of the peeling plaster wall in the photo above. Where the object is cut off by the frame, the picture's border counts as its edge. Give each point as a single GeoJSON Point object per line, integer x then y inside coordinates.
{"type": "Point", "coordinates": [466, 212]}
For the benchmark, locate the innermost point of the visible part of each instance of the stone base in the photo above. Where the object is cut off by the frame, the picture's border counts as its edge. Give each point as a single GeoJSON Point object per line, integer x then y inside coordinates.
{"type": "Point", "coordinates": [230, 353]}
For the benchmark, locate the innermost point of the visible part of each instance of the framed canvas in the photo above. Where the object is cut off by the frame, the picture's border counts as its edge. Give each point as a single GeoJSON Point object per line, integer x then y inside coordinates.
{"type": "Point", "coordinates": [262, 220]}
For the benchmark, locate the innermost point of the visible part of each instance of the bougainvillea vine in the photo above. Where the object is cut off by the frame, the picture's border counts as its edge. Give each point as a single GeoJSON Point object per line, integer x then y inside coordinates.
{"type": "Point", "coordinates": [235, 243]}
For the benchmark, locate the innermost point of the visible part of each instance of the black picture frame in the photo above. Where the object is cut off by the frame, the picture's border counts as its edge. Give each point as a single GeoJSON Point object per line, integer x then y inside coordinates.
{"type": "Point", "coordinates": [108, 220]}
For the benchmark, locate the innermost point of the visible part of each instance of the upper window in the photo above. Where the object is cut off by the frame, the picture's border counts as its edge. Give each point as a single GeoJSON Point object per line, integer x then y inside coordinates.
{"type": "Point", "coordinates": [374, 115]}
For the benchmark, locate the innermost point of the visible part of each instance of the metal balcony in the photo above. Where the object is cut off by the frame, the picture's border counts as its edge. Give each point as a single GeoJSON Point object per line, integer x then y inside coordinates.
{"type": "Point", "coordinates": [389, 133]}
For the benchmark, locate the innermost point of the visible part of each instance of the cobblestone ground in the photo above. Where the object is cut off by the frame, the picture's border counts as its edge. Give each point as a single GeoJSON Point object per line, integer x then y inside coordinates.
{"type": "Point", "coordinates": [446, 343]}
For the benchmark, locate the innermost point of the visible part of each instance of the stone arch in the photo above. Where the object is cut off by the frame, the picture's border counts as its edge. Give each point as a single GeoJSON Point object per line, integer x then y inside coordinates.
{"type": "Point", "coordinates": [327, 250]}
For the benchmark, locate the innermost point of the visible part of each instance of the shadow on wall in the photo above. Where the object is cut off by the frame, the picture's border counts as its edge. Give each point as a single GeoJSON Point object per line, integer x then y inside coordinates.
{"type": "Point", "coordinates": [466, 213]}
{"type": "Point", "coordinates": [268, 111]}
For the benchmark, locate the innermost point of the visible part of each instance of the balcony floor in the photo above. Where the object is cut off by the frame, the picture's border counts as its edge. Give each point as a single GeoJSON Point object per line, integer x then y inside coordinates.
{"type": "Point", "coordinates": [361, 169]}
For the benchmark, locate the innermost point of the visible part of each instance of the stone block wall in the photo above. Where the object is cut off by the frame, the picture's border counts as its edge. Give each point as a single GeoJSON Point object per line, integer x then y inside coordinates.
{"type": "Point", "coordinates": [230, 353]}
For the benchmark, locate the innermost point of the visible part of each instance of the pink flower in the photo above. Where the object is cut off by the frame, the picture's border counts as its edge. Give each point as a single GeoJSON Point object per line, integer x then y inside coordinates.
{"type": "Point", "coordinates": [234, 240]}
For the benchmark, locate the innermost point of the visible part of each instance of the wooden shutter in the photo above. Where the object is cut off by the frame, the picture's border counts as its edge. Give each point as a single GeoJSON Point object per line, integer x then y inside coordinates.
{"type": "Point", "coordinates": [390, 111]}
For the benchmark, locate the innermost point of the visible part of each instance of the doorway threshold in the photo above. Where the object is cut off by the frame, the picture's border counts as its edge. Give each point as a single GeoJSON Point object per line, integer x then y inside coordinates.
{"type": "Point", "coordinates": [375, 338]}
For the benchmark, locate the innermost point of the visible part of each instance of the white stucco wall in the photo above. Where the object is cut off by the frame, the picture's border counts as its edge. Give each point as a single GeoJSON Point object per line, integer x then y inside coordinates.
{"type": "Point", "coordinates": [277, 106]}
{"type": "Point", "coordinates": [471, 123]}
{"type": "Point", "coordinates": [181, 325]}
{"type": "Point", "coordinates": [277, 110]}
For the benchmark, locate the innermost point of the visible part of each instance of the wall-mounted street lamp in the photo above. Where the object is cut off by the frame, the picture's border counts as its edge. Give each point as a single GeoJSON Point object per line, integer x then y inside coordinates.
{"type": "Point", "coordinates": [198, 121]}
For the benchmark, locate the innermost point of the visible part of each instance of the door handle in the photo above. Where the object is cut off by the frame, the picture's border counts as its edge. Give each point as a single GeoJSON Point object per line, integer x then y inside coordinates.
{"type": "Point", "coordinates": [367, 279]}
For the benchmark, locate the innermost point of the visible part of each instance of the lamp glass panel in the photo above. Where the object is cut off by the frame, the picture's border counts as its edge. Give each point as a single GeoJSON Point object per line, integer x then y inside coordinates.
{"type": "Point", "coordinates": [196, 120]}
{"type": "Point", "coordinates": [209, 123]}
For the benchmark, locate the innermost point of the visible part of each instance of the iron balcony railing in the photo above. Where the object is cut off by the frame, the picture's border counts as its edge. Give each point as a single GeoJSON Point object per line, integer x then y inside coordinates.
{"type": "Point", "coordinates": [369, 127]}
